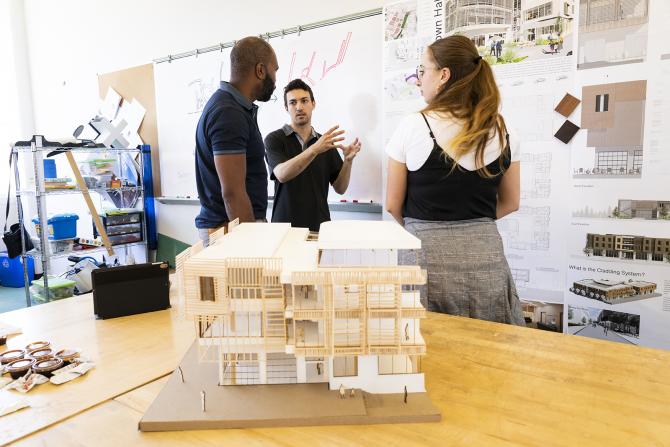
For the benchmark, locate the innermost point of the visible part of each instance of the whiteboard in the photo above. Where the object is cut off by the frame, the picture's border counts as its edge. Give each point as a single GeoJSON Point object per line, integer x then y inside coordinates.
{"type": "Point", "coordinates": [343, 65]}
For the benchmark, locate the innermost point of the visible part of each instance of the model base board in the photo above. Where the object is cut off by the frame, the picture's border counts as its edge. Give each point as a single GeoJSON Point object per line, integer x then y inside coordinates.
{"type": "Point", "coordinates": [179, 404]}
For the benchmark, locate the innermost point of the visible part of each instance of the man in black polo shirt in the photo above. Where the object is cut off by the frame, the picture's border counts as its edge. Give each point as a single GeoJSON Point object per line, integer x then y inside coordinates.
{"type": "Point", "coordinates": [304, 163]}
{"type": "Point", "coordinates": [229, 152]}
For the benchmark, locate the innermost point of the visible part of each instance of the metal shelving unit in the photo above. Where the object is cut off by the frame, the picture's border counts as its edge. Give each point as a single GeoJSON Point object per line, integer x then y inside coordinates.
{"type": "Point", "coordinates": [52, 192]}
{"type": "Point", "coordinates": [36, 152]}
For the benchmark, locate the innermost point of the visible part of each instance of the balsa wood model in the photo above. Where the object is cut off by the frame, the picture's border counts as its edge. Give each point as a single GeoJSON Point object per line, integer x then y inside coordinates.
{"type": "Point", "coordinates": [301, 321]}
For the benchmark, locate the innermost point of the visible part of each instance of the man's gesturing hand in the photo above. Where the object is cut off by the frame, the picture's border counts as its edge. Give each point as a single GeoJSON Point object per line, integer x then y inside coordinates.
{"type": "Point", "coordinates": [351, 150]}
{"type": "Point", "coordinates": [329, 140]}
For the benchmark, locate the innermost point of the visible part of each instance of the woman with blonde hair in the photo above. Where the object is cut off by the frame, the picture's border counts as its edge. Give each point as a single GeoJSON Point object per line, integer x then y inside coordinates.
{"type": "Point", "coordinates": [453, 170]}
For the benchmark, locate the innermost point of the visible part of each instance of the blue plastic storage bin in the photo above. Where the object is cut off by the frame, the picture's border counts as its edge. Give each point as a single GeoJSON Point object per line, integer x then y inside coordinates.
{"type": "Point", "coordinates": [50, 168]}
{"type": "Point", "coordinates": [61, 226]}
{"type": "Point", "coordinates": [11, 270]}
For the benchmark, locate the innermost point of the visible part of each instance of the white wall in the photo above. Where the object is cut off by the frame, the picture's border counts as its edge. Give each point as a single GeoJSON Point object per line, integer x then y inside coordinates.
{"type": "Point", "coordinates": [16, 115]}
{"type": "Point", "coordinates": [178, 221]}
{"type": "Point", "coordinates": [71, 41]}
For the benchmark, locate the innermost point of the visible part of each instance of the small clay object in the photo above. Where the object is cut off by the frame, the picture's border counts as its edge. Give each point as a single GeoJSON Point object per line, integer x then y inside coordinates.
{"type": "Point", "coordinates": [3, 340]}
{"type": "Point", "coordinates": [10, 356]}
{"type": "Point", "coordinates": [37, 345]}
{"type": "Point", "coordinates": [47, 367]}
{"type": "Point", "coordinates": [19, 368]}
{"type": "Point", "coordinates": [67, 355]}
{"type": "Point", "coordinates": [41, 354]}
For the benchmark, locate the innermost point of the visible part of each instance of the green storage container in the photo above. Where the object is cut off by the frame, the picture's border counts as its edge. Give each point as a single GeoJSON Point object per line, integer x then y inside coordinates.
{"type": "Point", "coordinates": [59, 288]}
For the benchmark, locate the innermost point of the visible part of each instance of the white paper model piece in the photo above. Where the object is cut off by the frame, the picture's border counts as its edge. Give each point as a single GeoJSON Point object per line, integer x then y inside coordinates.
{"type": "Point", "coordinates": [110, 105]}
{"type": "Point", "coordinates": [272, 307]}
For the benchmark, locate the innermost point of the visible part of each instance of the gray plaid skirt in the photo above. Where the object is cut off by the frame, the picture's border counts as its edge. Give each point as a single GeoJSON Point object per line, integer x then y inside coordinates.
{"type": "Point", "coordinates": [468, 274]}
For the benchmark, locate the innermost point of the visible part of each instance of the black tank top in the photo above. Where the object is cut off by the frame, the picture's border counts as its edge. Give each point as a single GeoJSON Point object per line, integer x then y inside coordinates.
{"type": "Point", "coordinates": [435, 192]}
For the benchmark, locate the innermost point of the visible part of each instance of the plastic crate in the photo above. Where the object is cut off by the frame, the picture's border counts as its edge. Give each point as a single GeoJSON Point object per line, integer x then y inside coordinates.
{"type": "Point", "coordinates": [55, 247]}
{"type": "Point", "coordinates": [61, 226]}
{"type": "Point", "coordinates": [11, 270]}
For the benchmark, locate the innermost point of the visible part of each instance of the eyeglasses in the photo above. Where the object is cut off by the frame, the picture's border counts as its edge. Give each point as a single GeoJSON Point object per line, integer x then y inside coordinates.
{"type": "Point", "coordinates": [421, 70]}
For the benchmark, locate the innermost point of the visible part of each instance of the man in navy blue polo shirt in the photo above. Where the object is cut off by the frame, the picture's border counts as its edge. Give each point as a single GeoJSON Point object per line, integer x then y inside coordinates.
{"type": "Point", "coordinates": [229, 152]}
{"type": "Point", "coordinates": [304, 164]}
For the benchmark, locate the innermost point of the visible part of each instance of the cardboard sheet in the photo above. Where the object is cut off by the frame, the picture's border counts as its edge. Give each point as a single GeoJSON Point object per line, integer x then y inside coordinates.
{"type": "Point", "coordinates": [178, 406]}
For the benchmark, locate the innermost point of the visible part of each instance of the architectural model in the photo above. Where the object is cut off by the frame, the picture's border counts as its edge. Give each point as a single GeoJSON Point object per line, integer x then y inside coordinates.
{"type": "Point", "coordinates": [271, 307]}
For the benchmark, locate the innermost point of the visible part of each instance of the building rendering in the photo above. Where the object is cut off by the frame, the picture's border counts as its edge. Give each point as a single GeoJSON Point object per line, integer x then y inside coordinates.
{"type": "Point", "coordinates": [643, 209]}
{"type": "Point", "coordinates": [612, 292]}
{"type": "Point", "coordinates": [612, 32]}
{"type": "Point", "coordinates": [628, 247]}
{"type": "Point", "coordinates": [480, 20]}
{"type": "Point", "coordinates": [613, 115]}
{"type": "Point", "coordinates": [509, 20]}
{"type": "Point", "coordinates": [541, 18]}
{"type": "Point", "coordinates": [272, 307]}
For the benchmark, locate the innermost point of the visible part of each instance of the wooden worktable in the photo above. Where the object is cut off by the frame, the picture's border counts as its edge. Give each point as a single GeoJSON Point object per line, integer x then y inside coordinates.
{"type": "Point", "coordinates": [128, 352]}
{"type": "Point", "coordinates": [496, 385]}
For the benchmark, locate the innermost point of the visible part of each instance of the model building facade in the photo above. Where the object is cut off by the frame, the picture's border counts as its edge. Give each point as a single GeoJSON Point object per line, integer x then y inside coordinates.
{"type": "Point", "coordinates": [271, 306]}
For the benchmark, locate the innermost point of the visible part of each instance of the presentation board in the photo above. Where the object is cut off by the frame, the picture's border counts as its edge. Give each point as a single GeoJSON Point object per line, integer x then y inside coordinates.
{"type": "Point", "coordinates": [589, 247]}
{"type": "Point", "coordinates": [341, 63]}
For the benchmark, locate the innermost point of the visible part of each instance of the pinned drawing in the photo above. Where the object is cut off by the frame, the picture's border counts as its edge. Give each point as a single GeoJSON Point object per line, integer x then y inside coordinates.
{"type": "Point", "coordinates": [613, 115]}
{"type": "Point", "coordinates": [612, 32]}
{"type": "Point", "coordinates": [400, 21]}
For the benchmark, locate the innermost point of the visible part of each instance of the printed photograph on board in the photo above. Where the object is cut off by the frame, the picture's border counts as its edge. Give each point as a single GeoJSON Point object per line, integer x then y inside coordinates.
{"type": "Point", "coordinates": [543, 316]}
{"type": "Point", "coordinates": [614, 291]}
{"type": "Point", "coordinates": [512, 31]}
{"type": "Point", "coordinates": [604, 324]}
{"type": "Point", "coordinates": [612, 32]}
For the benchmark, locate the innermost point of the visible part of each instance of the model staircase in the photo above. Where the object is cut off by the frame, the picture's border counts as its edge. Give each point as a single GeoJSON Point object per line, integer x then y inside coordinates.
{"type": "Point", "coordinates": [273, 292]}
{"type": "Point", "coordinates": [273, 309]}
{"type": "Point", "coordinates": [275, 324]}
